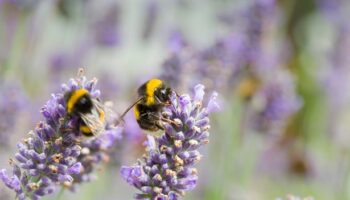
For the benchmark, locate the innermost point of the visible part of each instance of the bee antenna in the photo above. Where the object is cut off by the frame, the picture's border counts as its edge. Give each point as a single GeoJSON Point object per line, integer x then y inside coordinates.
{"type": "Point", "coordinates": [121, 118]}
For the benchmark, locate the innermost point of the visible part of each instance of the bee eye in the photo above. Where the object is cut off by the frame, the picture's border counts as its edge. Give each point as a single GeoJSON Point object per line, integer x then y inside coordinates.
{"type": "Point", "coordinates": [83, 101]}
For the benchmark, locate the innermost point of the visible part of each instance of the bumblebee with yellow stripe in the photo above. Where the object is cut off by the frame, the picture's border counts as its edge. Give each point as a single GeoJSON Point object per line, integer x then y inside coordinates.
{"type": "Point", "coordinates": [154, 95]}
{"type": "Point", "coordinates": [89, 111]}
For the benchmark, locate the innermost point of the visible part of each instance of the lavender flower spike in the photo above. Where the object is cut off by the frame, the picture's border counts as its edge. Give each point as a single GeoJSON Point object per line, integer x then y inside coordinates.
{"type": "Point", "coordinates": [166, 171]}
{"type": "Point", "coordinates": [53, 156]}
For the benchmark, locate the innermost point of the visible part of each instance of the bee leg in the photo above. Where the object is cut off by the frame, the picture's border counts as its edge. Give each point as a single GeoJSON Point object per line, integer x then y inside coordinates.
{"type": "Point", "coordinates": [169, 121]}
{"type": "Point", "coordinates": [164, 119]}
{"type": "Point", "coordinates": [65, 130]}
{"type": "Point", "coordinates": [148, 125]}
{"type": "Point", "coordinates": [159, 126]}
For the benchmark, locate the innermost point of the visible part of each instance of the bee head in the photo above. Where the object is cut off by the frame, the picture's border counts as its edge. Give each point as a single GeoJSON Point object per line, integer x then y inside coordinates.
{"type": "Point", "coordinates": [163, 94]}
{"type": "Point", "coordinates": [84, 104]}
{"type": "Point", "coordinates": [78, 101]}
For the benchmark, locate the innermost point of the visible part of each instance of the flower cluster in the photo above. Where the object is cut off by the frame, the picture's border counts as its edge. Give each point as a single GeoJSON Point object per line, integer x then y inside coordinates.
{"type": "Point", "coordinates": [53, 154]}
{"type": "Point", "coordinates": [106, 28]}
{"type": "Point", "coordinates": [166, 171]}
{"type": "Point", "coordinates": [274, 103]}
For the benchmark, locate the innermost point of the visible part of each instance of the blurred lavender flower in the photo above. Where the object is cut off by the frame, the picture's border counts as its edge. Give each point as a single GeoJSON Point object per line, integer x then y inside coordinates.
{"type": "Point", "coordinates": [333, 9]}
{"type": "Point", "coordinates": [274, 103]}
{"type": "Point", "coordinates": [109, 85]}
{"type": "Point", "coordinates": [25, 5]}
{"type": "Point", "coordinates": [282, 156]}
{"type": "Point", "coordinates": [337, 70]}
{"type": "Point", "coordinates": [167, 171]}
{"type": "Point", "coordinates": [220, 60]}
{"type": "Point", "coordinates": [178, 68]}
{"type": "Point", "coordinates": [176, 41]}
{"type": "Point", "coordinates": [60, 61]}
{"type": "Point", "coordinates": [242, 53]}
{"type": "Point", "coordinates": [12, 100]}
{"type": "Point", "coordinates": [258, 16]}
{"type": "Point", "coordinates": [338, 61]}
{"type": "Point", "coordinates": [244, 62]}
{"type": "Point", "coordinates": [131, 145]}
{"type": "Point", "coordinates": [132, 130]}
{"type": "Point", "coordinates": [65, 61]}
{"type": "Point", "coordinates": [106, 28]}
{"type": "Point", "coordinates": [251, 25]}
{"type": "Point", "coordinates": [53, 155]}
{"type": "Point", "coordinates": [152, 11]}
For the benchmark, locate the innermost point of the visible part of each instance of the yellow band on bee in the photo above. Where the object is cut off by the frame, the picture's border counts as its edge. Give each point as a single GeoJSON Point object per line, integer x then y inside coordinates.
{"type": "Point", "coordinates": [151, 86]}
{"type": "Point", "coordinates": [137, 113]}
{"type": "Point", "coordinates": [85, 129]}
{"type": "Point", "coordinates": [102, 115]}
{"type": "Point", "coordinates": [74, 98]}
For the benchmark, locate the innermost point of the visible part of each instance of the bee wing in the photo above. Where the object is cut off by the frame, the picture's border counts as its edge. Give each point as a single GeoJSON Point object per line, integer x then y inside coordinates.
{"type": "Point", "coordinates": [96, 119]}
{"type": "Point", "coordinates": [106, 109]}
{"type": "Point", "coordinates": [98, 105]}
{"type": "Point", "coordinates": [92, 120]}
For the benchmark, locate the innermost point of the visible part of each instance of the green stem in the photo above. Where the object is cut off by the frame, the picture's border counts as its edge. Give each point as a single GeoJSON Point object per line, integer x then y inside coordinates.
{"type": "Point", "coordinates": [14, 58]}
{"type": "Point", "coordinates": [60, 194]}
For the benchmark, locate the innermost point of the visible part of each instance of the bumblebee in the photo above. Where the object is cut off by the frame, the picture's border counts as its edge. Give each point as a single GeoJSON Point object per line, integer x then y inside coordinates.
{"type": "Point", "coordinates": [154, 95]}
{"type": "Point", "coordinates": [89, 111]}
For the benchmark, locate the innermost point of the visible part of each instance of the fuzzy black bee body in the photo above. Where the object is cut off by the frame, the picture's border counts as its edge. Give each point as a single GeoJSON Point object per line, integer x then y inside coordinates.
{"type": "Point", "coordinates": [154, 95]}
{"type": "Point", "coordinates": [90, 112]}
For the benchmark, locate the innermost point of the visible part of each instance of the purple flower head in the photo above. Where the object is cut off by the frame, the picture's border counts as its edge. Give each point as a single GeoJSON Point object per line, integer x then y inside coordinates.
{"type": "Point", "coordinates": [53, 154]}
{"type": "Point", "coordinates": [166, 171]}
